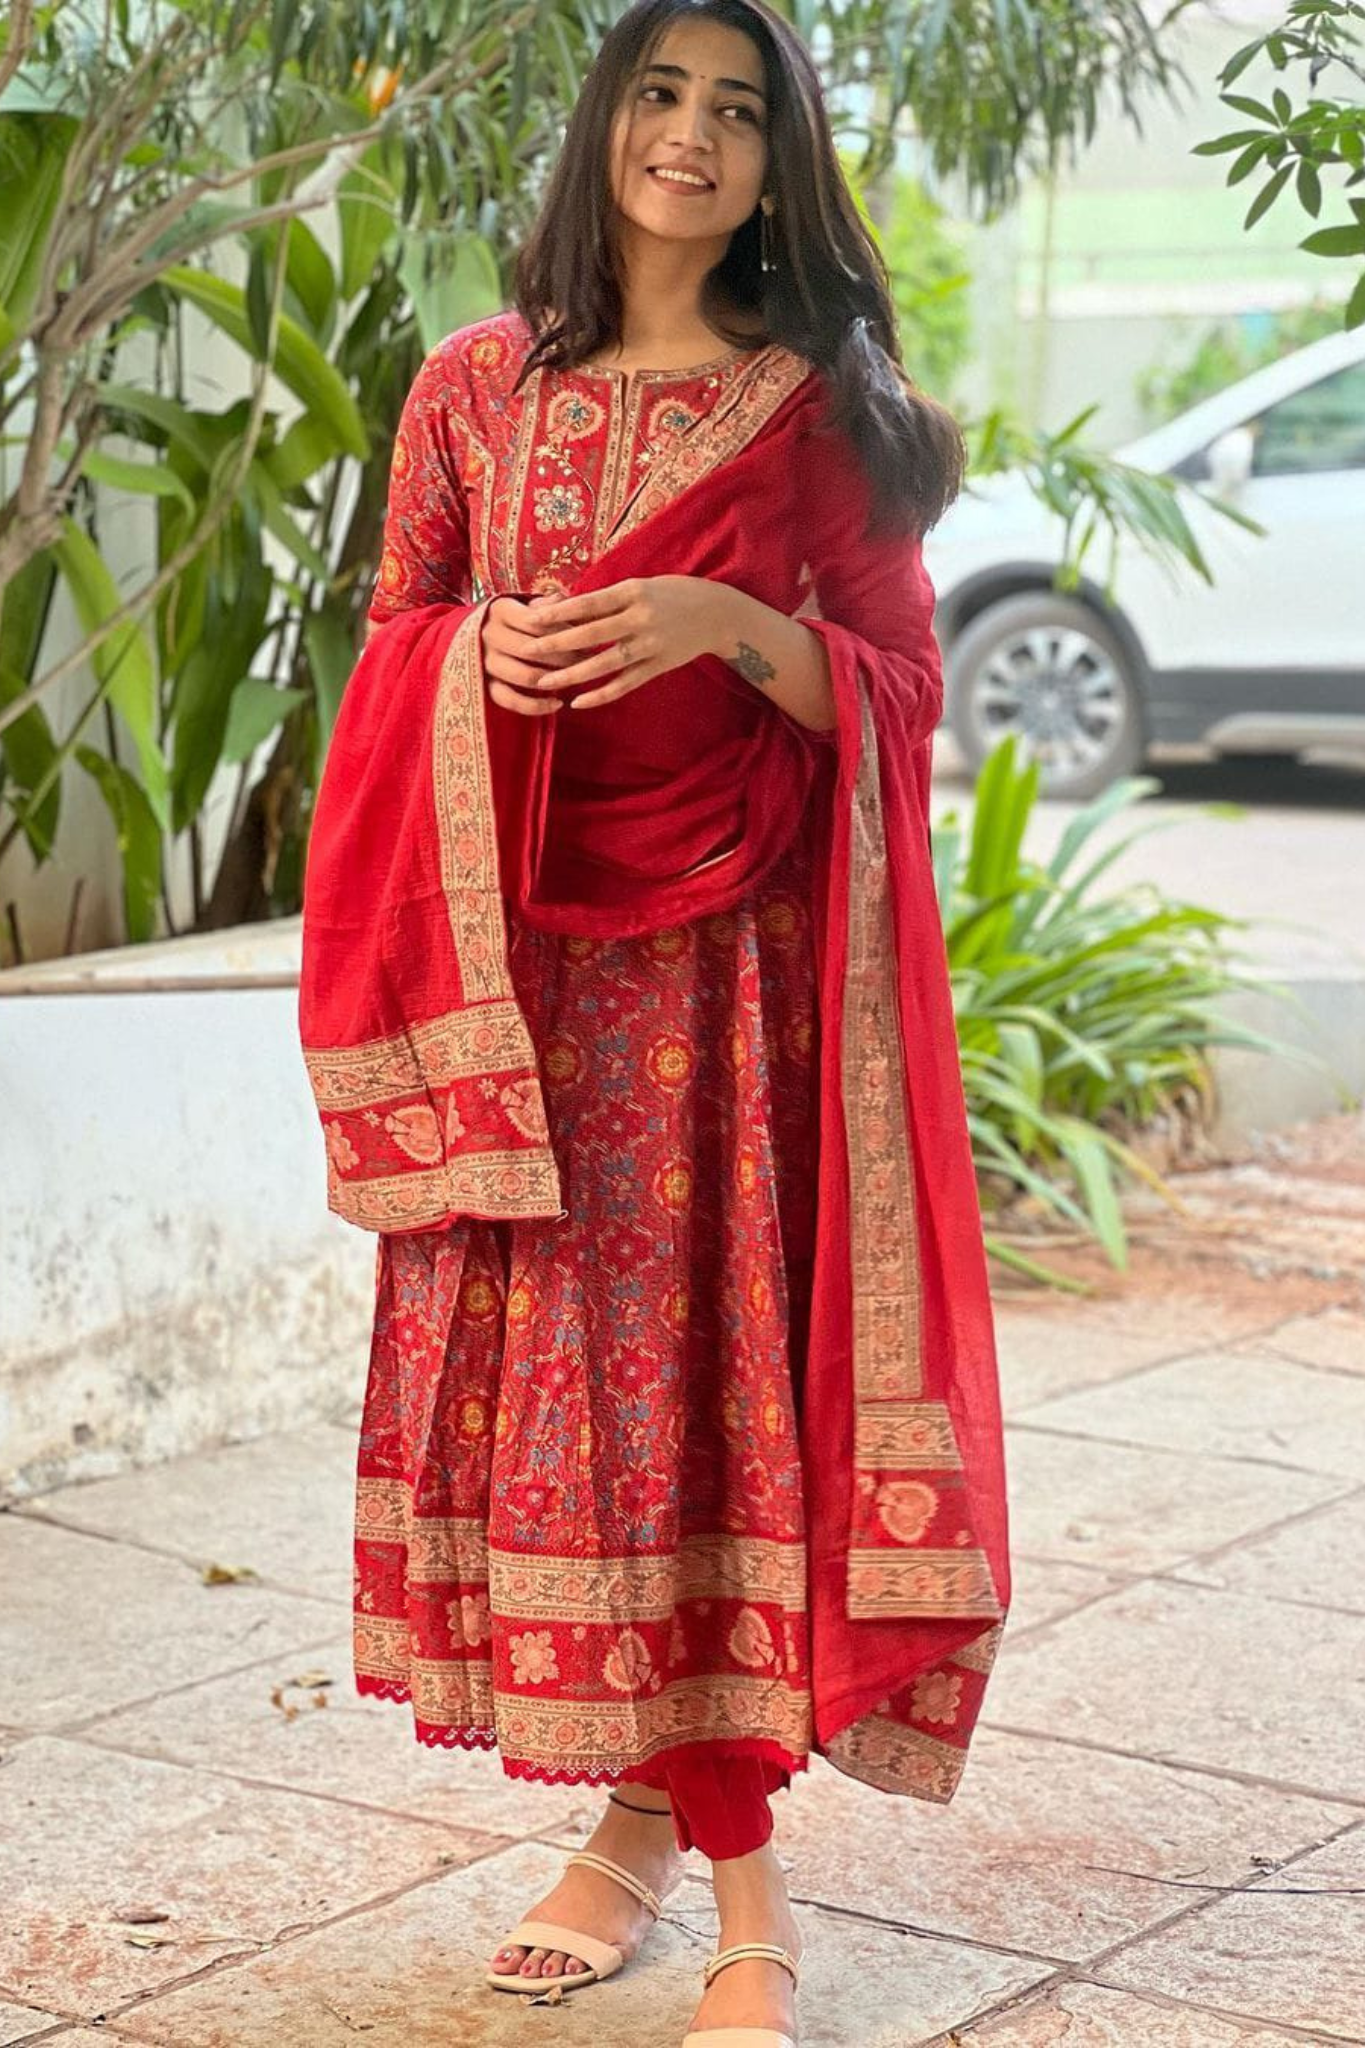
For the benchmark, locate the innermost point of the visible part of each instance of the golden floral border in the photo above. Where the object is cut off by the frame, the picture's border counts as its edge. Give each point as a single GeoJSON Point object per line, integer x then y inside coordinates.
{"type": "Point", "coordinates": [884, 1228]}
{"type": "Point", "coordinates": [590, 1736]}
{"type": "Point", "coordinates": [883, 1752]}
{"type": "Point", "coordinates": [490, 1038]}
{"type": "Point", "coordinates": [760, 387]}
{"type": "Point", "coordinates": [911, 1436]}
{"type": "Point", "coordinates": [466, 822]}
{"type": "Point", "coordinates": [497, 1186]}
{"type": "Point", "coordinates": [605, 1591]}
{"type": "Point", "coordinates": [592, 1590]}
{"type": "Point", "coordinates": [922, 1584]}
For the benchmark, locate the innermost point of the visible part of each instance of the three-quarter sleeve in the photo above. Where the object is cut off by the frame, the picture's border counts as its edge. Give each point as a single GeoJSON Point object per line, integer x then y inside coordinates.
{"type": "Point", "coordinates": [873, 586]}
{"type": "Point", "coordinates": [426, 528]}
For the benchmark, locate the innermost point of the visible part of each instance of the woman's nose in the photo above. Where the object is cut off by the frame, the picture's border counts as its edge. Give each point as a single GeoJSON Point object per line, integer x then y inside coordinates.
{"type": "Point", "coordinates": [691, 124]}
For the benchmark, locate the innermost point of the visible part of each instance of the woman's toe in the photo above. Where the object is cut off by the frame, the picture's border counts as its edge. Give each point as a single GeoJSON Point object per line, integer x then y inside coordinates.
{"type": "Point", "coordinates": [531, 1967]}
{"type": "Point", "coordinates": [509, 1959]}
{"type": "Point", "coordinates": [554, 1965]}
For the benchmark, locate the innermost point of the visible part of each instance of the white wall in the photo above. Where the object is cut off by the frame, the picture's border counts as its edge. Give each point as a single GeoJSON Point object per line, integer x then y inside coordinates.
{"type": "Point", "coordinates": [169, 1274]}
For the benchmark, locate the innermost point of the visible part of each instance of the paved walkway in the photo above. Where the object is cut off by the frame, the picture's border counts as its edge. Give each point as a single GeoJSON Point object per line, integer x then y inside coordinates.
{"type": "Point", "coordinates": [208, 1843]}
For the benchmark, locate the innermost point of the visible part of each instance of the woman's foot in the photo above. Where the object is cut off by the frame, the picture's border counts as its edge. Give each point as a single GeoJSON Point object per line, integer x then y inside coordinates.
{"type": "Point", "coordinates": [751, 1895]}
{"type": "Point", "coordinates": [643, 1843]}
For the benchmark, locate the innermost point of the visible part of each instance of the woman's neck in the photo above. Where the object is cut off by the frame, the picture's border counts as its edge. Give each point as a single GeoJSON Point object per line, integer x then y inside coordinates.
{"type": "Point", "coordinates": [662, 324]}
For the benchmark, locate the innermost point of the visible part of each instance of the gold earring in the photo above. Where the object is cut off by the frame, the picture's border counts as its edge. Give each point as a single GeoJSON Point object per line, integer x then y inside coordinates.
{"type": "Point", "coordinates": [767, 261]}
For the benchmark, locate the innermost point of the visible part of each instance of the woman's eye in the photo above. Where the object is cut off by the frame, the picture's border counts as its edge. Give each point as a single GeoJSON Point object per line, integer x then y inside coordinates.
{"type": "Point", "coordinates": [744, 113]}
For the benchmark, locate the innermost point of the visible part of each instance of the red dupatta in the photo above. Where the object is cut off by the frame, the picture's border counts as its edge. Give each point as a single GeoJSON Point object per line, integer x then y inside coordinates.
{"type": "Point", "coordinates": [438, 812]}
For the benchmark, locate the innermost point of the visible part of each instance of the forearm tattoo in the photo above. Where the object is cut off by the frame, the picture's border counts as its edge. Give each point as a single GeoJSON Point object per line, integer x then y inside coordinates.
{"type": "Point", "coordinates": [752, 665]}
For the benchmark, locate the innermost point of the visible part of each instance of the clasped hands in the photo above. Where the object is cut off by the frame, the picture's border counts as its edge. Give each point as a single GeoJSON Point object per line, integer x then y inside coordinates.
{"type": "Point", "coordinates": [629, 632]}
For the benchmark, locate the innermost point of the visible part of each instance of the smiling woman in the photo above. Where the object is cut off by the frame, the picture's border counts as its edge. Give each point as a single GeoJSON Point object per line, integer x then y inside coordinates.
{"type": "Point", "coordinates": [681, 1452]}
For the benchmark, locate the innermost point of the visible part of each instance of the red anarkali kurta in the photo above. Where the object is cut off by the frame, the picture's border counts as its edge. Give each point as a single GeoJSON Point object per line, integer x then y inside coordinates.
{"type": "Point", "coordinates": [642, 1464]}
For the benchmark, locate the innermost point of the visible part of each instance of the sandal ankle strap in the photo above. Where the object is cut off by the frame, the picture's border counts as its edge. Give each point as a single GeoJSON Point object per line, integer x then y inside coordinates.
{"type": "Point", "coordinates": [627, 1879]}
{"type": "Point", "coordinates": [753, 1951]}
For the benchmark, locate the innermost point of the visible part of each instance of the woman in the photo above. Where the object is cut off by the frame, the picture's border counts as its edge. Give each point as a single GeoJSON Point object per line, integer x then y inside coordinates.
{"type": "Point", "coordinates": [626, 1010]}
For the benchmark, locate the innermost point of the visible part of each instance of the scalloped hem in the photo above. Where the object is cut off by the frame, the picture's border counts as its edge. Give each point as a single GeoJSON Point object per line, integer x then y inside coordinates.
{"type": "Point", "coordinates": [435, 1735]}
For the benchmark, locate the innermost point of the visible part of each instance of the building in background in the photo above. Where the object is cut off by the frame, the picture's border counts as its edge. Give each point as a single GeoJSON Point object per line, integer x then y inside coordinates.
{"type": "Point", "coordinates": [1121, 264]}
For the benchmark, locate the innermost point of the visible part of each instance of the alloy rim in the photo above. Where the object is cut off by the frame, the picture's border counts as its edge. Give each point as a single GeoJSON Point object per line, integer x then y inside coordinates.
{"type": "Point", "coordinates": [1060, 694]}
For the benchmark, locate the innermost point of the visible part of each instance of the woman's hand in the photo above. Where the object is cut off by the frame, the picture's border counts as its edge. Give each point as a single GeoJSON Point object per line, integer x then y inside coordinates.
{"type": "Point", "coordinates": [513, 659]}
{"type": "Point", "coordinates": [630, 631]}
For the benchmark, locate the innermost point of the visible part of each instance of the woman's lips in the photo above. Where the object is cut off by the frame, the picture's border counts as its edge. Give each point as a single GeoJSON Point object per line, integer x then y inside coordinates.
{"type": "Point", "coordinates": [679, 185]}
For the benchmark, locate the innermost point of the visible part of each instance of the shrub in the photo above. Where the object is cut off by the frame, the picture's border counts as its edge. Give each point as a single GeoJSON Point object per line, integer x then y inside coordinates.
{"type": "Point", "coordinates": [1083, 1014]}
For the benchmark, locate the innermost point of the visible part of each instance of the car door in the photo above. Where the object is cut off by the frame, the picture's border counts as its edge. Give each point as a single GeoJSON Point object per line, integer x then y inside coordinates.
{"type": "Point", "coordinates": [1290, 605]}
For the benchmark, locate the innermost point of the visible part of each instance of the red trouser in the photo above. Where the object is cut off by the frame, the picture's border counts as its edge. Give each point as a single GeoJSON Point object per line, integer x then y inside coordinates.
{"type": "Point", "coordinates": [720, 1802]}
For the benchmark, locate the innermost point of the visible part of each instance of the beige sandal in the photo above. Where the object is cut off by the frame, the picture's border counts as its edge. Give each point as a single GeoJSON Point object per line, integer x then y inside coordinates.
{"type": "Point", "coordinates": [603, 1958]}
{"type": "Point", "coordinates": [747, 2037]}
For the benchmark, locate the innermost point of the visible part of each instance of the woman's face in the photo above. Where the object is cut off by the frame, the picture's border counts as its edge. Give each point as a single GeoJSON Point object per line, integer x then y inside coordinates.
{"type": "Point", "coordinates": [689, 145]}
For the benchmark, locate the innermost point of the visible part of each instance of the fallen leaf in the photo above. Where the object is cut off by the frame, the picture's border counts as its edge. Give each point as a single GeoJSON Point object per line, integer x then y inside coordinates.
{"type": "Point", "coordinates": [227, 1575]}
{"type": "Point", "coordinates": [150, 1940]}
{"type": "Point", "coordinates": [319, 1699]}
{"type": "Point", "coordinates": [307, 1681]}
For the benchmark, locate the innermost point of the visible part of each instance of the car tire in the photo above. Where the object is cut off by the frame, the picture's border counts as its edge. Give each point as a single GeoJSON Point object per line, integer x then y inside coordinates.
{"type": "Point", "coordinates": [1050, 670]}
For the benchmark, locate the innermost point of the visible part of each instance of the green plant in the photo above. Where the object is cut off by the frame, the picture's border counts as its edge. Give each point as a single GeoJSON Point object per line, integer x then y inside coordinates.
{"type": "Point", "coordinates": [1228, 351]}
{"type": "Point", "coordinates": [929, 279]}
{"type": "Point", "coordinates": [1082, 1014]}
{"type": "Point", "coordinates": [1318, 40]}
{"type": "Point", "coordinates": [136, 149]}
{"type": "Point", "coordinates": [332, 189]}
{"type": "Point", "coordinates": [1096, 497]}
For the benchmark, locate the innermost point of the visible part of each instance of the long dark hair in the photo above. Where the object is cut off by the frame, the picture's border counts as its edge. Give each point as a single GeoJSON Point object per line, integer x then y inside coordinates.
{"type": "Point", "coordinates": [827, 298]}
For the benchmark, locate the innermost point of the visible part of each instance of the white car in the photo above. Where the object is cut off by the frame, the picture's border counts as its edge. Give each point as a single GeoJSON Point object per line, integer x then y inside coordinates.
{"type": "Point", "coordinates": [1269, 659]}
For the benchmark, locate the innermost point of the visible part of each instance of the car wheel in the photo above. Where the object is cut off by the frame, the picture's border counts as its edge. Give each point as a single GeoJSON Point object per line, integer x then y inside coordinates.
{"type": "Point", "coordinates": [1047, 670]}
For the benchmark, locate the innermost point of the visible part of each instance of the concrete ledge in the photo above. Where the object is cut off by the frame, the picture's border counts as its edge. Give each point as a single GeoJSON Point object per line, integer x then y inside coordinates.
{"type": "Point", "coordinates": [1320, 1013]}
{"type": "Point", "coordinates": [169, 1274]}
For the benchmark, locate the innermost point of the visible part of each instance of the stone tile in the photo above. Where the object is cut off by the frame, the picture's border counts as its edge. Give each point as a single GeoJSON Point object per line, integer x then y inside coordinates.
{"type": "Point", "coordinates": [21, 2023]}
{"type": "Point", "coordinates": [1045, 1351]}
{"type": "Point", "coordinates": [408, 1974]}
{"type": "Point", "coordinates": [1091, 2016]}
{"type": "Point", "coordinates": [1116, 1507]}
{"type": "Point", "coordinates": [1032, 1852]}
{"type": "Point", "coordinates": [235, 1866]}
{"type": "Point", "coordinates": [1190, 1676]}
{"type": "Point", "coordinates": [1043, 1592]}
{"type": "Point", "coordinates": [1333, 1341]}
{"type": "Point", "coordinates": [1277, 1957]}
{"type": "Point", "coordinates": [82, 2037]}
{"type": "Point", "coordinates": [283, 1505]}
{"type": "Point", "coordinates": [1241, 1404]}
{"type": "Point", "coordinates": [362, 1750]}
{"type": "Point", "coordinates": [1315, 1560]}
{"type": "Point", "coordinates": [88, 1625]}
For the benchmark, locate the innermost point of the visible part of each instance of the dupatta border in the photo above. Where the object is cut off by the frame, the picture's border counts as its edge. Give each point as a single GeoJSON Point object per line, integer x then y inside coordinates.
{"type": "Point", "coordinates": [907, 1463]}
{"type": "Point", "coordinates": [399, 1149]}
{"type": "Point", "coordinates": [760, 388]}
{"type": "Point", "coordinates": [490, 1039]}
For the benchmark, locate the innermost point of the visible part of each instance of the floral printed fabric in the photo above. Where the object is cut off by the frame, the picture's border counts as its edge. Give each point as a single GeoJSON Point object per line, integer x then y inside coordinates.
{"type": "Point", "coordinates": [580, 1518]}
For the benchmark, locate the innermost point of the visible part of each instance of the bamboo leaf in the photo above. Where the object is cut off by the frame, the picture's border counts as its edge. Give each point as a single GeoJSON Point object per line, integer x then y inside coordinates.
{"type": "Point", "coordinates": [1267, 196]}
{"type": "Point", "coordinates": [123, 663]}
{"type": "Point", "coordinates": [299, 362]}
{"type": "Point", "coordinates": [331, 657]}
{"type": "Point", "coordinates": [1344, 241]}
{"type": "Point", "coordinates": [256, 709]}
{"type": "Point", "coordinates": [147, 479]}
{"type": "Point", "coordinates": [138, 833]}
